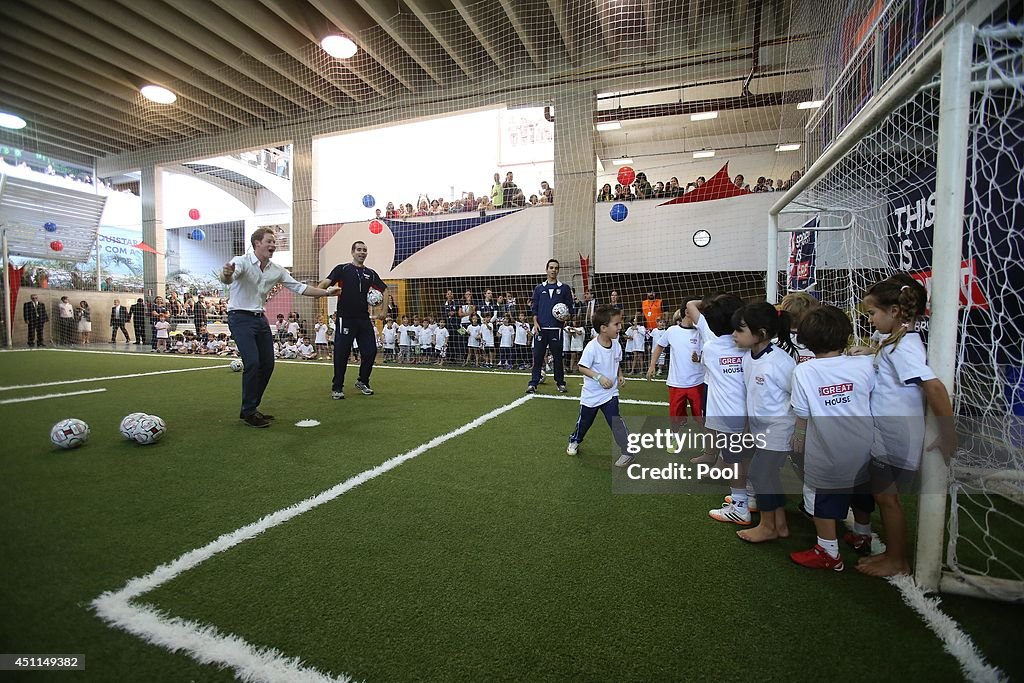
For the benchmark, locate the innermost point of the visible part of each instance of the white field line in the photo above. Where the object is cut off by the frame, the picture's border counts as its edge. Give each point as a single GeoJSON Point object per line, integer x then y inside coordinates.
{"type": "Point", "coordinates": [631, 401]}
{"type": "Point", "coordinates": [203, 642]}
{"type": "Point", "coordinates": [954, 640]}
{"type": "Point", "coordinates": [110, 377]}
{"type": "Point", "coordinates": [46, 396]}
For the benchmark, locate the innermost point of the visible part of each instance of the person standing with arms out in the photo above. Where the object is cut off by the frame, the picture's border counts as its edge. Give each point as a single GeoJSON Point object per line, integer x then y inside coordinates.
{"type": "Point", "coordinates": [250, 278]}
{"type": "Point", "coordinates": [36, 317]}
{"type": "Point", "coordinates": [119, 315]}
{"type": "Point", "coordinates": [547, 329]}
{"type": "Point", "coordinates": [137, 314]}
{"type": "Point", "coordinates": [353, 319]}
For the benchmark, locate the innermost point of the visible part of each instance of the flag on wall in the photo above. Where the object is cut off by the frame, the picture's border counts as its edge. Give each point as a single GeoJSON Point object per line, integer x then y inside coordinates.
{"type": "Point", "coordinates": [802, 277]}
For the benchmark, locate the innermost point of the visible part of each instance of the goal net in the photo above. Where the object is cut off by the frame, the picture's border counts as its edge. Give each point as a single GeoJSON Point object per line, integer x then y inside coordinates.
{"type": "Point", "coordinates": [883, 190]}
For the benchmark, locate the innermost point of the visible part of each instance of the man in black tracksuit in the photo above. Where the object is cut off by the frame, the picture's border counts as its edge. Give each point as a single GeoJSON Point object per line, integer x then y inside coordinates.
{"type": "Point", "coordinates": [353, 319]}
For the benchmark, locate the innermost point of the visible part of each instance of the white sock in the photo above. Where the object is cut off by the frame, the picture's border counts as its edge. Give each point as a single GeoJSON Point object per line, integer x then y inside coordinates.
{"type": "Point", "coordinates": [862, 529]}
{"type": "Point", "coordinates": [831, 547]}
{"type": "Point", "coordinates": [739, 497]}
{"type": "Point", "coordinates": [750, 491]}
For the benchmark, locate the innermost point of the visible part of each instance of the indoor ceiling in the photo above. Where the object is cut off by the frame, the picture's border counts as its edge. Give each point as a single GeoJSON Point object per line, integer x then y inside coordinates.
{"type": "Point", "coordinates": [73, 68]}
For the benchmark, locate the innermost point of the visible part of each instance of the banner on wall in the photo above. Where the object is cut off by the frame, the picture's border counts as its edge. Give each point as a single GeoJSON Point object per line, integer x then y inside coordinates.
{"type": "Point", "coordinates": [120, 251]}
{"type": "Point", "coordinates": [802, 276]}
{"type": "Point", "coordinates": [526, 137]}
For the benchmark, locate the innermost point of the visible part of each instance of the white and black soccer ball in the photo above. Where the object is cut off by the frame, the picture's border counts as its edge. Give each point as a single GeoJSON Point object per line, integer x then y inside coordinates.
{"type": "Point", "coordinates": [69, 433]}
{"type": "Point", "coordinates": [374, 297]}
{"type": "Point", "coordinates": [560, 311]}
{"type": "Point", "coordinates": [128, 425]}
{"type": "Point", "coordinates": [236, 365]}
{"type": "Point", "coordinates": [149, 429]}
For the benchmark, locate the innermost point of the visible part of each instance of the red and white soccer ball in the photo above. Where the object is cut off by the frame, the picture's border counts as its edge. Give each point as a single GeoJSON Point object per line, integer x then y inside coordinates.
{"type": "Point", "coordinates": [129, 424]}
{"type": "Point", "coordinates": [149, 429]}
{"type": "Point", "coordinates": [69, 433]}
{"type": "Point", "coordinates": [560, 311]}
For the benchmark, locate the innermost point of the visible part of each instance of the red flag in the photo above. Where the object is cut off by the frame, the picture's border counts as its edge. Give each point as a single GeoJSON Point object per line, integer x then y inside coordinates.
{"type": "Point", "coordinates": [145, 247]}
{"type": "Point", "coordinates": [720, 186]}
{"type": "Point", "coordinates": [585, 269]}
{"type": "Point", "coordinates": [15, 274]}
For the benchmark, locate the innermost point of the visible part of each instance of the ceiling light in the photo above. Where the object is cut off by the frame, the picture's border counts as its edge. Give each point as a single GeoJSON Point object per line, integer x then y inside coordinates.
{"type": "Point", "coordinates": [11, 121]}
{"type": "Point", "coordinates": [810, 104]}
{"type": "Point", "coordinates": [622, 161]}
{"type": "Point", "coordinates": [789, 147]}
{"type": "Point", "coordinates": [704, 116]}
{"type": "Point", "coordinates": [158, 94]}
{"type": "Point", "coordinates": [704, 154]}
{"type": "Point", "coordinates": [339, 47]}
{"type": "Point", "coordinates": [609, 125]}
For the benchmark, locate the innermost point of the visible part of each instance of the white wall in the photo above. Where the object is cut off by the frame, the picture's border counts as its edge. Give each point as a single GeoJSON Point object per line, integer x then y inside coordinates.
{"type": "Point", "coordinates": [182, 193]}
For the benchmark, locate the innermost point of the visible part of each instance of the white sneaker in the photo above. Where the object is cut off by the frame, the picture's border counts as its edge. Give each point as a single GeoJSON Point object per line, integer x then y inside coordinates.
{"type": "Point", "coordinates": [573, 448]}
{"type": "Point", "coordinates": [731, 513]}
{"type": "Point", "coordinates": [624, 460]}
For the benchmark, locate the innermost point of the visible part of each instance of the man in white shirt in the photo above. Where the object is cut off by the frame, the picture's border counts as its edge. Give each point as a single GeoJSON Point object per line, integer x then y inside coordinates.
{"type": "Point", "coordinates": [250, 278]}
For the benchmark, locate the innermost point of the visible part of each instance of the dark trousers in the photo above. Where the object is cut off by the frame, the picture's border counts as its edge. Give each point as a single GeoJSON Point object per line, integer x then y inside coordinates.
{"type": "Point", "coordinates": [548, 339]}
{"type": "Point", "coordinates": [140, 332]}
{"type": "Point", "coordinates": [256, 347]}
{"type": "Point", "coordinates": [764, 478]}
{"type": "Point", "coordinates": [152, 335]}
{"type": "Point", "coordinates": [35, 331]}
{"type": "Point", "coordinates": [611, 414]}
{"type": "Point", "coordinates": [363, 331]}
{"type": "Point", "coordinates": [114, 329]}
{"type": "Point", "coordinates": [66, 326]}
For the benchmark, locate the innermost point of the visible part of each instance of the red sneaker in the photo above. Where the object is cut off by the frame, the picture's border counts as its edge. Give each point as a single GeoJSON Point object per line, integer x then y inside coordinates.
{"type": "Point", "coordinates": [817, 558]}
{"type": "Point", "coordinates": [859, 542]}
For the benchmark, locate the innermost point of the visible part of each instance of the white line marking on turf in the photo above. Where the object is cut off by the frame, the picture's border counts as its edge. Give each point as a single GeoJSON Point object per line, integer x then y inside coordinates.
{"type": "Point", "coordinates": [104, 379]}
{"type": "Point", "coordinates": [631, 401]}
{"type": "Point", "coordinates": [205, 643]}
{"type": "Point", "coordinates": [46, 396]}
{"type": "Point", "coordinates": [954, 640]}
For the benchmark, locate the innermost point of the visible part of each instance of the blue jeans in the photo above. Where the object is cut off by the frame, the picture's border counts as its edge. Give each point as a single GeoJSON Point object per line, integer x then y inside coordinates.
{"type": "Point", "coordinates": [610, 409]}
{"type": "Point", "coordinates": [256, 347]}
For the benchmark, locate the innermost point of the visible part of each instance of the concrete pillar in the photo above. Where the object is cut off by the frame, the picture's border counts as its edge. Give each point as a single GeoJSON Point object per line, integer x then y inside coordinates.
{"type": "Point", "coordinates": [304, 252]}
{"type": "Point", "coordinates": [575, 178]}
{"type": "Point", "coordinates": [154, 266]}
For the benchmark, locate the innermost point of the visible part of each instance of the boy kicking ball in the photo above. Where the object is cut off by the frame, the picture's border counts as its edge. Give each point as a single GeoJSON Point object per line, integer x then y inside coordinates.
{"type": "Point", "coordinates": [600, 366]}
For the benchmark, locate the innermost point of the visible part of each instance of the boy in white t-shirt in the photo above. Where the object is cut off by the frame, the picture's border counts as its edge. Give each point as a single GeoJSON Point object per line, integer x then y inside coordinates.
{"type": "Point", "coordinates": [290, 349]}
{"type": "Point", "coordinates": [305, 350]}
{"type": "Point", "coordinates": [425, 337]}
{"type": "Point", "coordinates": [404, 341]}
{"type": "Point", "coordinates": [441, 341]}
{"type": "Point", "coordinates": [487, 343]}
{"type": "Point", "coordinates": [162, 333]}
{"type": "Point", "coordinates": [656, 334]}
{"type": "Point", "coordinates": [601, 367]}
{"type": "Point", "coordinates": [506, 333]}
{"type": "Point", "coordinates": [522, 341]}
{"type": "Point", "coordinates": [685, 372]}
{"type": "Point", "coordinates": [389, 337]}
{"type": "Point", "coordinates": [320, 340]}
{"type": "Point", "coordinates": [831, 397]}
{"type": "Point", "coordinates": [576, 343]}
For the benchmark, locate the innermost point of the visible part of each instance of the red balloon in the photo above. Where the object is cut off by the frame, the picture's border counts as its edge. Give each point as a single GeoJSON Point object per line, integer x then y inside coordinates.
{"type": "Point", "coordinates": [57, 245]}
{"type": "Point", "coordinates": [626, 175]}
{"type": "Point", "coordinates": [376, 227]}
{"type": "Point", "coordinates": [194, 213]}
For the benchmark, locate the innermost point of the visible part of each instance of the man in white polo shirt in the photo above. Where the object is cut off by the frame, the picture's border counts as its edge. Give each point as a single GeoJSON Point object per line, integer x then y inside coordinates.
{"type": "Point", "coordinates": [250, 278]}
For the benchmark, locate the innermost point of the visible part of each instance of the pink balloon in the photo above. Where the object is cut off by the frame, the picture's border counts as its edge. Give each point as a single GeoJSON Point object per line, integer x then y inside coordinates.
{"type": "Point", "coordinates": [376, 227]}
{"type": "Point", "coordinates": [194, 213]}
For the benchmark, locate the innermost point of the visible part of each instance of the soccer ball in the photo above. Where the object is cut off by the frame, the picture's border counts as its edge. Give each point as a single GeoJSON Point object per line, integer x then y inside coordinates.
{"type": "Point", "coordinates": [149, 429]}
{"type": "Point", "coordinates": [374, 297]}
{"type": "Point", "coordinates": [69, 433]}
{"type": "Point", "coordinates": [560, 311]}
{"type": "Point", "coordinates": [128, 425]}
{"type": "Point", "coordinates": [236, 365]}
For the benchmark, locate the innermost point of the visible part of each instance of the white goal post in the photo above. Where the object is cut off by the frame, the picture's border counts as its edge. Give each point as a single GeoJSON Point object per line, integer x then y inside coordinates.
{"type": "Point", "coordinates": [949, 67]}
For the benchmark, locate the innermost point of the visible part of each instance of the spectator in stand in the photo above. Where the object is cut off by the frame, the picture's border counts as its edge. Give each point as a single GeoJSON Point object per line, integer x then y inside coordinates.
{"type": "Point", "coordinates": [389, 211]}
{"type": "Point", "coordinates": [659, 190]}
{"type": "Point", "coordinates": [793, 178]}
{"type": "Point", "coordinates": [673, 189]}
{"type": "Point", "coordinates": [469, 203]}
{"type": "Point", "coordinates": [761, 186]}
{"type": "Point", "coordinates": [423, 209]}
{"type": "Point", "coordinates": [605, 195]}
{"type": "Point", "coordinates": [535, 200]}
{"type": "Point", "coordinates": [497, 192]}
{"type": "Point", "coordinates": [623, 193]}
{"type": "Point", "coordinates": [613, 301]}
{"type": "Point", "coordinates": [509, 188]}
{"type": "Point", "coordinates": [739, 182]}
{"type": "Point", "coordinates": [408, 212]}
{"type": "Point", "coordinates": [518, 198]}
{"type": "Point", "coordinates": [780, 185]}
{"type": "Point", "coordinates": [547, 192]}
{"type": "Point", "coordinates": [435, 207]}
{"type": "Point", "coordinates": [199, 313]}
{"type": "Point", "coordinates": [642, 186]}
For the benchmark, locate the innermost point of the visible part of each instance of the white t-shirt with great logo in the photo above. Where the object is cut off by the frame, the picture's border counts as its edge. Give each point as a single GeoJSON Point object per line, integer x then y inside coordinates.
{"type": "Point", "coordinates": [726, 409]}
{"type": "Point", "coordinates": [769, 379]}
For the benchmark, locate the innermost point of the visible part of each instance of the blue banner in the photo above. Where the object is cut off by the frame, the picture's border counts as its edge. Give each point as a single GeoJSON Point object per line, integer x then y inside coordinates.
{"type": "Point", "coordinates": [802, 276]}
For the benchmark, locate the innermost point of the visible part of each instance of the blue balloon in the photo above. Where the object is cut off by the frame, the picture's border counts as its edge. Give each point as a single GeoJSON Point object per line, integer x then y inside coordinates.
{"type": "Point", "coordinates": [50, 226]}
{"type": "Point", "coordinates": [618, 212]}
{"type": "Point", "coordinates": [197, 234]}
{"type": "Point", "coordinates": [369, 201]}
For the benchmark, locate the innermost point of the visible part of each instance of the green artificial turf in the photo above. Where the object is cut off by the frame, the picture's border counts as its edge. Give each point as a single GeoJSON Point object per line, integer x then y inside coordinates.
{"type": "Point", "coordinates": [493, 556]}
